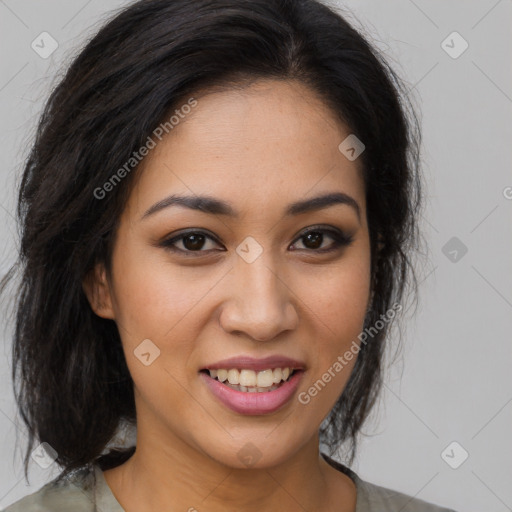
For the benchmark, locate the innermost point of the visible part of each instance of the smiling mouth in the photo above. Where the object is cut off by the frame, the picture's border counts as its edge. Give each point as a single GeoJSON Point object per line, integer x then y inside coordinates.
{"type": "Point", "coordinates": [249, 381]}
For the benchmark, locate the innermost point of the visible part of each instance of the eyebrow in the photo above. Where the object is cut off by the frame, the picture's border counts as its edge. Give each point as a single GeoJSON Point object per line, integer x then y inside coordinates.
{"type": "Point", "coordinates": [214, 206]}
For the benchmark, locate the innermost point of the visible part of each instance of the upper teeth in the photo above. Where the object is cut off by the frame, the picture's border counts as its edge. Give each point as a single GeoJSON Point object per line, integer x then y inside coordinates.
{"type": "Point", "coordinates": [262, 379]}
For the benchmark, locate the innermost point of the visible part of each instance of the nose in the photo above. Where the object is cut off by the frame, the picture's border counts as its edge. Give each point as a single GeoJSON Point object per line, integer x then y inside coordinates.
{"type": "Point", "coordinates": [261, 304]}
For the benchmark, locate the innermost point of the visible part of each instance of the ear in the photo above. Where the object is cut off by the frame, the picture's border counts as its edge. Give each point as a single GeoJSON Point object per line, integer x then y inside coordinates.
{"type": "Point", "coordinates": [97, 289]}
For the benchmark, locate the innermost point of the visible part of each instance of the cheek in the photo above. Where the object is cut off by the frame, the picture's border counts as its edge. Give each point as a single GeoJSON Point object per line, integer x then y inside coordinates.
{"type": "Point", "coordinates": [154, 301]}
{"type": "Point", "coordinates": [337, 303]}
{"type": "Point", "coordinates": [338, 298]}
{"type": "Point", "coordinates": [152, 297]}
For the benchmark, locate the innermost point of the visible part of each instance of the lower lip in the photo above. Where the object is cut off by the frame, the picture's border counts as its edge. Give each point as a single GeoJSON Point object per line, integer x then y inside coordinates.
{"type": "Point", "coordinates": [263, 402]}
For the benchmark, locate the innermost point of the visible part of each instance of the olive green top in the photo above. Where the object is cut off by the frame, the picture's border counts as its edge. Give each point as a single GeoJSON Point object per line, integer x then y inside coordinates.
{"type": "Point", "coordinates": [86, 490]}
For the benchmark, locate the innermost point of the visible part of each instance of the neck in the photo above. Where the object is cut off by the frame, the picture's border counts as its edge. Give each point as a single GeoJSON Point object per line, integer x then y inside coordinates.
{"type": "Point", "coordinates": [174, 475]}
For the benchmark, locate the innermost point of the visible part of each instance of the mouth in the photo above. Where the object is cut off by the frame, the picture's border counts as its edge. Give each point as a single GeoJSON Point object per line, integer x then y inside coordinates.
{"type": "Point", "coordinates": [250, 381]}
{"type": "Point", "coordinates": [264, 396]}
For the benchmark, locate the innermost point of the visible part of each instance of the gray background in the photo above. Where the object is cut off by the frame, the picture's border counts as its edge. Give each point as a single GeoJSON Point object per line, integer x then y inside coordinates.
{"type": "Point", "coordinates": [453, 380]}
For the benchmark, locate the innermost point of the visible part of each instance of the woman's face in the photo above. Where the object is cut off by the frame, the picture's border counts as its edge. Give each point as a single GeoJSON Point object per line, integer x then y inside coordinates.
{"type": "Point", "coordinates": [249, 282]}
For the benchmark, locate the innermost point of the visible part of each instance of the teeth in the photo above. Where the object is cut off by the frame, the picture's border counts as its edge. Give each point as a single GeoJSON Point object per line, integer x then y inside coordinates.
{"type": "Point", "coordinates": [265, 379]}
{"type": "Point", "coordinates": [233, 376]}
{"type": "Point", "coordinates": [252, 390]}
{"type": "Point", "coordinates": [247, 378]}
{"type": "Point", "coordinates": [251, 381]}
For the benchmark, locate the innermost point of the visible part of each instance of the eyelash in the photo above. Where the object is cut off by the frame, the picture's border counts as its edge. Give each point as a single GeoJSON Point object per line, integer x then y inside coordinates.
{"type": "Point", "coordinates": [340, 240]}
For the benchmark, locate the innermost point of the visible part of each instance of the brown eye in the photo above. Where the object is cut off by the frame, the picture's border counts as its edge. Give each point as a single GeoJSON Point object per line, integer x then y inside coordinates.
{"type": "Point", "coordinates": [195, 241]}
{"type": "Point", "coordinates": [191, 241]}
{"type": "Point", "coordinates": [314, 238]}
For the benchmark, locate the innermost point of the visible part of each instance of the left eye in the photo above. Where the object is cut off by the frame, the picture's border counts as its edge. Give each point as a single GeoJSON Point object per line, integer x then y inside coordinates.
{"type": "Point", "coordinates": [194, 241]}
{"type": "Point", "coordinates": [315, 238]}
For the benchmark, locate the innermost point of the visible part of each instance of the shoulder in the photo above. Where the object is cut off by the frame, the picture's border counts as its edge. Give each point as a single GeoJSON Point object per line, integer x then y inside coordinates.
{"type": "Point", "coordinates": [374, 498]}
{"type": "Point", "coordinates": [74, 492]}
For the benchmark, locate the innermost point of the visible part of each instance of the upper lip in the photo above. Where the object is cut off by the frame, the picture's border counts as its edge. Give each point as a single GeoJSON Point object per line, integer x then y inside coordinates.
{"type": "Point", "coordinates": [251, 363]}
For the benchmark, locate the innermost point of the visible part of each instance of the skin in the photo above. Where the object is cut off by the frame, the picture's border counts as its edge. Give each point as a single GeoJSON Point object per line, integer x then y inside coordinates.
{"type": "Point", "coordinates": [259, 148]}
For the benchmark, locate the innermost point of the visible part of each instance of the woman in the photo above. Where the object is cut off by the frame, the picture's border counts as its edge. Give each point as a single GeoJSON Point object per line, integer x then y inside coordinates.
{"type": "Point", "coordinates": [217, 219]}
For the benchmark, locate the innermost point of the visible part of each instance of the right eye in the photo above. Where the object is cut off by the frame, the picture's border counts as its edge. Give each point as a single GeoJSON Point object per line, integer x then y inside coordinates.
{"type": "Point", "coordinates": [191, 241]}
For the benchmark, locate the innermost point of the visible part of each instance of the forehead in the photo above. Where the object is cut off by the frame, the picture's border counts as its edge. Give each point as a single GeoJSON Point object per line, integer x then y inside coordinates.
{"type": "Point", "coordinates": [271, 142]}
